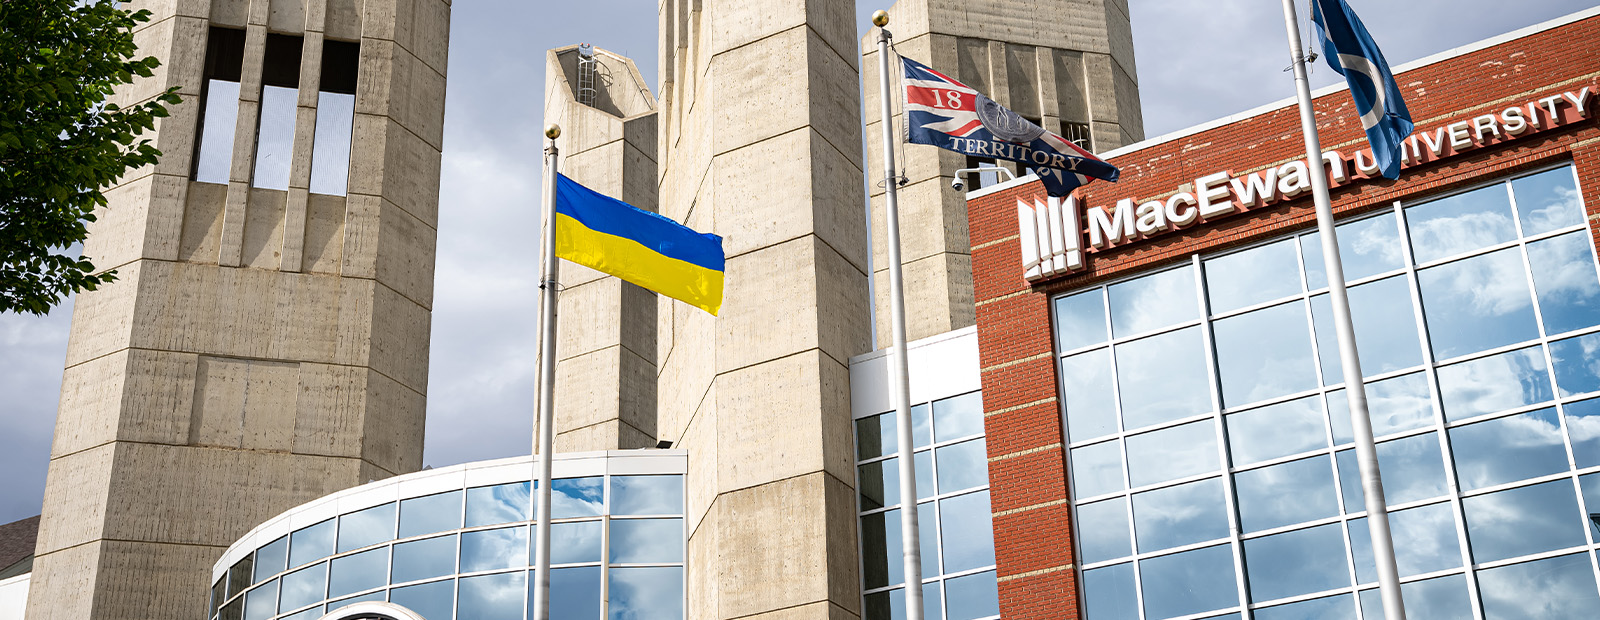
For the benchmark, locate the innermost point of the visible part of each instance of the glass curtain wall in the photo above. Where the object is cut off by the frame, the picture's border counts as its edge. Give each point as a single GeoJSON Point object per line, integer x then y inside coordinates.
{"type": "Point", "coordinates": [957, 537]}
{"type": "Point", "coordinates": [466, 554]}
{"type": "Point", "coordinates": [1212, 468]}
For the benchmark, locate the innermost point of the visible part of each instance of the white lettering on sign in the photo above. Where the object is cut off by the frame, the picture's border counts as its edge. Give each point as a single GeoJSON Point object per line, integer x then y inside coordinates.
{"type": "Point", "coordinates": [1052, 234]}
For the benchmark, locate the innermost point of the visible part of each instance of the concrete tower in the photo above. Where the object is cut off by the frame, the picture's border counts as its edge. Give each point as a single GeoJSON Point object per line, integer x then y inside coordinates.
{"type": "Point", "coordinates": [266, 342]}
{"type": "Point", "coordinates": [760, 129]}
{"type": "Point", "coordinates": [606, 374]}
{"type": "Point", "coordinates": [1065, 65]}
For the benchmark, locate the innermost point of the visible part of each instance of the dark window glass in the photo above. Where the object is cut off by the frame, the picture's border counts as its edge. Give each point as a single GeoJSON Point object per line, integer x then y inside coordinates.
{"type": "Point", "coordinates": [270, 559]}
{"type": "Point", "coordinates": [891, 604]}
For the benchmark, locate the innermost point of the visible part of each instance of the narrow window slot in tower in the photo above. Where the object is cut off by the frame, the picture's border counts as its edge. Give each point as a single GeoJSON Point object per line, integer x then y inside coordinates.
{"type": "Point", "coordinates": [280, 91]}
{"type": "Point", "coordinates": [336, 108]}
{"type": "Point", "coordinates": [219, 105]}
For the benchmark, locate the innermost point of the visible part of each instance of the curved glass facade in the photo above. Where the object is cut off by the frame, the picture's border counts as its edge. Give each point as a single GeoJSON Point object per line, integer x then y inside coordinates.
{"type": "Point", "coordinates": [456, 543]}
{"type": "Point", "coordinates": [1212, 473]}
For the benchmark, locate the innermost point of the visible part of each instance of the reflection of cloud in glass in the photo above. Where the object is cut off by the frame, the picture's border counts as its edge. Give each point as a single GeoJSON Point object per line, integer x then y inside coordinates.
{"type": "Point", "coordinates": [312, 542]}
{"type": "Point", "coordinates": [1109, 593]}
{"type": "Point", "coordinates": [1286, 493]}
{"type": "Point", "coordinates": [575, 542]}
{"type": "Point", "coordinates": [646, 495]}
{"type": "Point", "coordinates": [1495, 383]}
{"type": "Point", "coordinates": [1172, 453]}
{"type": "Point", "coordinates": [647, 540]}
{"type": "Point", "coordinates": [1080, 320]}
{"type": "Point", "coordinates": [1366, 247]}
{"type": "Point", "coordinates": [1190, 582]}
{"type": "Point", "coordinates": [958, 416]}
{"type": "Point", "coordinates": [492, 597]}
{"type": "Point", "coordinates": [1264, 354]}
{"type": "Point", "coordinates": [1583, 426]}
{"type": "Point", "coordinates": [1577, 364]}
{"type": "Point", "coordinates": [1440, 598]}
{"type": "Point", "coordinates": [1162, 378]}
{"type": "Point", "coordinates": [304, 587]}
{"type": "Point", "coordinates": [1275, 430]}
{"type": "Point", "coordinates": [429, 514]}
{"type": "Point", "coordinates": [505, 503]}
{"type": "Point", "coordinates": [1329, 608]}
{"type": "Point", "coordinates": [1561, 587]}
{"type": "Point", "coordinates": [576, 497]}
{"type": "Point", "coordinates": [1477, 303]}
{"type": "Point", "coordinates": [502, 548]}
{"type": "Point", "coordinates": [1386, 330]}
{"type": "Point", "coordinates": [1564, 278]}
{"type": "Point", "coordinates": [1547, 201]}
{"type": "Point", "coordinates": [1090, 398]}
{"type": "Point", "coordinates": [1424, 542]}
{"type": "Point", "coordinates": [1153, 302]}
{"type": "Point", "coordinates": [1520, 521]}
{"type": "Point", "coordinates": [1253, 276]}
{"type": "Point", "coordinates": [1508, 449]}
{"type": "Point", "coordinates": [1180, 515]}
{"type": "Point", "coordinates": [1104, 530]}
{"type": "Point", "coordinates": [1295, 563]}
{"type": "Point", "coordinates": [1412, 468]}
{"type": "Point", "coordinates": [968, 532]}
{"type": "Point", "coordinates": [1460, 223]}
{"type": "Point", "coordinates": [1097, 469]}
{"type": "Point", "coordinates": [646, 594]}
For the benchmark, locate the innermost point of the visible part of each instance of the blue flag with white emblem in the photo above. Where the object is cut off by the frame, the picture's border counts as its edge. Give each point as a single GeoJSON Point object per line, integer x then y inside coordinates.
{"type": "Point", "coordinates": [1351, 51]}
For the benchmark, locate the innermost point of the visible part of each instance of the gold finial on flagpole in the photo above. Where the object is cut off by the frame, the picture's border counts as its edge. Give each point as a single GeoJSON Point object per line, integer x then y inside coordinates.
{"type": "Point", "coordinates": [552, 131]}
{"type": "Point", "coordinates": [880, 18]}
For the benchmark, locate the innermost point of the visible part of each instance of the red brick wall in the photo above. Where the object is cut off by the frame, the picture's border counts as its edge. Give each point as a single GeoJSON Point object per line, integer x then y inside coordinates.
{"type": "Point", "coordinates": [1027, 459]}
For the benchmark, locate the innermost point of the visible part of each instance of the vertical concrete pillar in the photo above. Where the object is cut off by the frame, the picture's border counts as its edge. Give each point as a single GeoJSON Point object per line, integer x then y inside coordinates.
{"type": "Point", "coordinates": [760, 143]}
{"type": "Point", "coordinates": [1069, 64]}
{"type": "Point", "coordinates": [606, 374]}
{"type": "Point", "coordinates": [222, 379]}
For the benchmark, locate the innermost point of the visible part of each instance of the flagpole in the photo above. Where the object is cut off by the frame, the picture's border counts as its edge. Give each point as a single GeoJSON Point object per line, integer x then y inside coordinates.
{"type": "Point", "coordinates": [543, 446]}
{"type": "Point", "coordinates": [1355, 390]}
{"type": "Point", "coordinates": [910, 535]}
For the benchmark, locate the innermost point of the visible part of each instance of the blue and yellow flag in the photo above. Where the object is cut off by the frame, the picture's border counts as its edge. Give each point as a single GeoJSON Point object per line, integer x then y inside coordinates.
{"type": "Point", "coordinates": [652, 251]}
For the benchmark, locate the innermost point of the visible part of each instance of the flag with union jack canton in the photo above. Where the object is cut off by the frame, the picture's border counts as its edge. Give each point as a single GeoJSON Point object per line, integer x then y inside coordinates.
{"type": "Point", "coordinates": [950, 115]}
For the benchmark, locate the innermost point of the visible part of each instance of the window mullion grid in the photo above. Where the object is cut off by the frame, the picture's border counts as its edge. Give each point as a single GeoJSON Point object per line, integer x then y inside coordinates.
{"type": "Point", "coordinates": [1223, 462]}
{"type": "Point", "coordinates": [1588, 529]}
{"type": "Point", "coordinates": [1122, 450]}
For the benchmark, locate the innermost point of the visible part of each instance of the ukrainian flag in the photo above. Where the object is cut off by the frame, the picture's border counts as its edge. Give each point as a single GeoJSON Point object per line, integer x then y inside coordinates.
{"type": "Point", "coordinates": [652, 251]}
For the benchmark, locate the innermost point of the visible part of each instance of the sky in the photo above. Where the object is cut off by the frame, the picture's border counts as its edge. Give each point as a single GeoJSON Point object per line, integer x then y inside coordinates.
{"type": "Point", "coordinates": [1194, 64]}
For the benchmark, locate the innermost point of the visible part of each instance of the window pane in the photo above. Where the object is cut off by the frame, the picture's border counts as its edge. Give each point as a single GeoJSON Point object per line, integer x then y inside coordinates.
{"type": "Point", "coordinates": [270, 559]}
{"type": "Point", "coordinates": [1153, 302]}
{"type": "Point", "coordinates": [1460, 223]}
{"type": "Point", "coordinates": [1395, 405]}
{"type": "Point", "coordinates": [958, 416]}
{"type": "Point", "coordinates": [1478, 303]}
{"type": "Point", "coordinates": [1331, 608]}
{"type": "Point", "coordinates": [505, 548]}
{"type": "Point", "coordinates": [1104, 528]}
{"type": "Point", "coordinates": [1172, 453]}
{"type": "Point", "coordinates": [1441, 598]}
{"type": "Point", "coordinates": [572, 542]}
{"type": "Point", "coordinates": [1253, 276]}
{"type": "Point", "coordinates": [1162, 378]}
{"type": "Point", "coordinates": [1097, 469]}
{"type": "Point", "coordinates": [239, 575]}
{"type": "Point", "coordinates": [1264, 354]}
{"type": "Point", "coordinates": [973, 596]}
{"type": "Point", "coordinates": [370, 596]}
{"type": "Point", "coordinates": [1276, 430]}
{"type": "Point", "coordinates": [647, 495]}
{"type": "Point", "coordinates": [875, 436]}
{"type": "Point", "coordinates": [1591, 500]}
{"type": "Point", "coordinates": [1295, 563]}
{"type": "Point", "coordinates": [576, 497]}
{"type": "Point", "coordinates": [1560, 588]}
{"type": "Point", "coordinates": [424, 559]}
{"type": "Point", "coordinates": [330, 149]}
{"type": "Point", "coordinates": [367, 527]}
{"type": "Point", "coordinates": [574, 593]}
{"type": "Point", "coordinates": [1532, 519]}
{"type": "Point", "coordinates": [492, 597]}
{"type": "Point", "coordinates": [1366, 248]}
{"type": "Point", "coordinates": [1583, 425]}
{"type": "Point", "coordinates": [310, 614]}
{"type": "Point", "coordinates": [1412, 468]}
{"type": "Point", "coordinates": [881, 559]}
{"type": "Point", "coordinates": [1508, 449]}
{"type": "Point", "coordinates": [1386, 329]}
{"type": "Point", "coordinates": [1090, 401]}
{"type": "Point", "coordinates": [1286, 493]}
{"type": "Point", "coordinates": [1565, 281]}
{"type": "Point", "coordinates": [646, 541]}
{"type": "Point", "coordinates": [435, 600]}
{"type": "Point", "coordinates": [275, 141]}
{"type": "Point", "coordinates": [1180, 515]}
{"type": "Point", "coordinates": [968, 532]}
{"type": "Point", "coordinates": [1424, 541]}
{"type": "Point", "coordinates": [304, 587]}
{"type": "Point", "coordinates": [921, 426]}
{"type": "Point", "coordinates": [1577, 363]}
{"type": "Point", "coordinates": [1189, 582]}
{"type": "Point", "coordinates": [963, 466]}
{"type": "Point", "coordinates": [1495, 383]}
{"type": "Point", "coordinates": [1109, 594]}
{"type": "Point", "coordinates": [1547, 201]}
{"type": "Point", "coordinates": [505, 503]}
{"type": "Point", "coordinates": [430, 514]}
{"type": "Point", "coordinates": [891, 604]}
{"type": "Point", "coordinates": [262, 602]}
{"type": "Point", "coordinates": [1080, 320]}
{"type": "Point", "coordinates": [362, 571]}
{"type": "Point", "coordinates": [215, 160]}
{"type": "Point", "coordinates": [646, 593]}
{"type": "Point", "coordinates": [311, 543]}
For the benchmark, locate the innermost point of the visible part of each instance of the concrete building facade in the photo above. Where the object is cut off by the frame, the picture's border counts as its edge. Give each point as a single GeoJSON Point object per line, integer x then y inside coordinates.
{"type": "Point", "coordinates": [606, 374]}
{"type": "Point", "coordinates": [1067, 66]}
{"type": "Point", "coordinates": [266, 341]}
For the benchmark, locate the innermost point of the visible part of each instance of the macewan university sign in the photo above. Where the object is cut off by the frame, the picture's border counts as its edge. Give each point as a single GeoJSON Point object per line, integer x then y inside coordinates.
{"type": "Point", "coordinates": [1057, 235]}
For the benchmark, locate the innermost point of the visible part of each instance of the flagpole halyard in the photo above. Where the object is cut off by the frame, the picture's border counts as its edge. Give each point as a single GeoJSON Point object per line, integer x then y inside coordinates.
{"type": "Point", "coordinates": [910, 535]}
{"type": "Point", "coordinates": [1355, 390]}
{"type": "Point", "coordinates": [543, 446]}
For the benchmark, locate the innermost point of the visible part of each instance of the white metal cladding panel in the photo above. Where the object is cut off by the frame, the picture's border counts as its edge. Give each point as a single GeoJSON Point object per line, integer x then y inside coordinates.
{"type": "Point", "coordinates": [941, 366]}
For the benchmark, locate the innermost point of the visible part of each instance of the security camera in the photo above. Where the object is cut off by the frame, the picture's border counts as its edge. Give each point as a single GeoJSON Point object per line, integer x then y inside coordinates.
{"type": "Point", "coordinates": [957, 185]}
